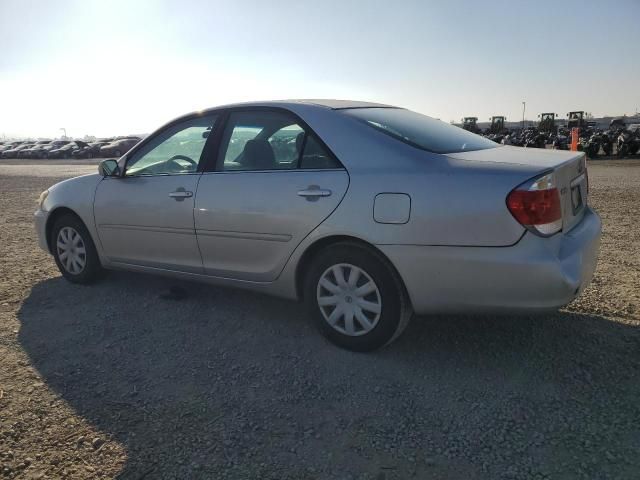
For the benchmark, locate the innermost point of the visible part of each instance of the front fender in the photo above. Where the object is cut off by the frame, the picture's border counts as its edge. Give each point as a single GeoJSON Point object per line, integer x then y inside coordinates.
{"type": "Point", "coordinates": [76, 194]}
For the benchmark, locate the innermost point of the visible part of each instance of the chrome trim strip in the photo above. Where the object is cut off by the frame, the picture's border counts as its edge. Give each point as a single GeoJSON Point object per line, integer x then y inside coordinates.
{"type": "Point", "coordinates": [269, 237]}
{"type": "Point", "coordinates": [276, 170]}
{"type": "Point", "coordinates": [179, 231]}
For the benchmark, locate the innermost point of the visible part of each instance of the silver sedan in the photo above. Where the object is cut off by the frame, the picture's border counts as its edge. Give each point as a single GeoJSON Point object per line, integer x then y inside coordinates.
{"type": "Point", "coordinates": [366, 212]}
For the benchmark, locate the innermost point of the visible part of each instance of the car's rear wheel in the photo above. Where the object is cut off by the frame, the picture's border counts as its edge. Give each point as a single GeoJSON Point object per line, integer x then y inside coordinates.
{"type": "Point", "coordinates": [356, 298]}
{"type": "Point", "coordinates": [74, 251]}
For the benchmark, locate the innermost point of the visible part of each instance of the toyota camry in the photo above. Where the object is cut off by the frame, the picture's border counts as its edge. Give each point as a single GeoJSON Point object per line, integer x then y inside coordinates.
{"type": "Point", "coordinates": [366, 212]}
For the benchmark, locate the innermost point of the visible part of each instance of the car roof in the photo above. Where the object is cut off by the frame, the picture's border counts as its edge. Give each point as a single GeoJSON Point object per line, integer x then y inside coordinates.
{"type": "Point", "coordinates": [323, 103]}
{"type": "Point", "coordinates": [292, 105]}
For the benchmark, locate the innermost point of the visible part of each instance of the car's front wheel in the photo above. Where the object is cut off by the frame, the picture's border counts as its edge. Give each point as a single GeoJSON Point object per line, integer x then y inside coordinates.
{"type": "Point", "coordinates": [356, 298]}
{"type": "Point", "coordinates": [74, 251]}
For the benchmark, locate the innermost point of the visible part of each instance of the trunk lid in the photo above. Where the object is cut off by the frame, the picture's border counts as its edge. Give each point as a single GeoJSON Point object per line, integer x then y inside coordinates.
{"type": "Point", "coordinates": [570, 170]}
{"type": "Point", "coordinates": [573, 184]}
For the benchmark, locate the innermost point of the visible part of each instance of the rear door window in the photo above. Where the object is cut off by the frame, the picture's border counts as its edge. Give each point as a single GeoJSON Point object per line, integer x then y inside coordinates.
{"type": "Point", "coordinates": [271, 140]}
{"type": "Point", "coordinates": [315, 155]}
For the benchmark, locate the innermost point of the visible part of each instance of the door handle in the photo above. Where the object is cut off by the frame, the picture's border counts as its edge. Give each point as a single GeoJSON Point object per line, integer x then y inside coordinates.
{"type": "Point", "coordinates": [313, 192]}
{"type": "Point", "coordinates": [180, 194]}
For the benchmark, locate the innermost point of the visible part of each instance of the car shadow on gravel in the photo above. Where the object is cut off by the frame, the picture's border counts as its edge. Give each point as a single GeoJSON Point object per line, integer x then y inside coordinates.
{"type": "Point", "coordinates": [231, 383]}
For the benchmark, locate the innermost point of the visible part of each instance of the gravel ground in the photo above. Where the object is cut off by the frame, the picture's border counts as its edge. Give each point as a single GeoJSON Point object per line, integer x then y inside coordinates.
{"type": "Point", "coordinates": [112, 381]}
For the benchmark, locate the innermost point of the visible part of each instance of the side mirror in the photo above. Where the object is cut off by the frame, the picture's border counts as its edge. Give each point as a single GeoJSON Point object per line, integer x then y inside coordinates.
{"type": "Point", "coordinates": [109, 168]}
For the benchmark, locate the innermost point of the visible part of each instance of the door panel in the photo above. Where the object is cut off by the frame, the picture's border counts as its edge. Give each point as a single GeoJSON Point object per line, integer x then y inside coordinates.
{"type": "Point", "coordinates": [249, 223]}
{"type": "Point", "coordinates": [145, 217]}
{"type": "Point", "coordinates": [140, 223]}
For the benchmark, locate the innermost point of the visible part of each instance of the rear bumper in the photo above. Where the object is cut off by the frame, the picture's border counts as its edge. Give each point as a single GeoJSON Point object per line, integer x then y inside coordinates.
{"type": "Point", "coordinates": [534, 274]}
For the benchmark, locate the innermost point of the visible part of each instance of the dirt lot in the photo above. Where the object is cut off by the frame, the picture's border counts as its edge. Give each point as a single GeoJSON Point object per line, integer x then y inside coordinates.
{"type": "Point", "coordinates": [112, 381]}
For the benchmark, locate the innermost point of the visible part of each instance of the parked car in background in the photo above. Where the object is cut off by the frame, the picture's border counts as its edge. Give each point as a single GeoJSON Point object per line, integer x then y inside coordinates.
{"type": "Point", "coordinates": [118, 147]}
{"type": "Point", "coordinates": [10, 145]}
{"type": "Point", "coordinates": [365, 212]}
{"type": "Point", "coordinates": [34, 151]}
{"type": "Point", "coordinates": [14, 152]}
{"type": "Point", "coordinates": [83, 147]}
{"type": "Point", "coordinates": [90, 150]}
{"type": "Point", "coordinates": [38, 150]}
{"type": "Point", "coordinates": [62, 151]}
{"type": "Point", "coordinates": [43, 152]}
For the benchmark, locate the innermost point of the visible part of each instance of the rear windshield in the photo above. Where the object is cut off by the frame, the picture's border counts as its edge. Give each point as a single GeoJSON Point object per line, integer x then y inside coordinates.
{"type": "Point", "coordinates": [420, 131]}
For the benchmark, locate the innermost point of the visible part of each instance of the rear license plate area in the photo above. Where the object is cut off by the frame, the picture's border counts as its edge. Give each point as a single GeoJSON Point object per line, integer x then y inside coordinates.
{"type": "Point", "coordinates": [576, 198]}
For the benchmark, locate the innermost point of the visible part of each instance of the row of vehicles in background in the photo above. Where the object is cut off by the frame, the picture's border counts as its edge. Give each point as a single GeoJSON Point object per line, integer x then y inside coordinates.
{"type": "Point", "coordinates": [547, 123]}
{"type": "Point", "coordinates": [619, 139]}
{"type": "Point", "coordinates": [41, 149]}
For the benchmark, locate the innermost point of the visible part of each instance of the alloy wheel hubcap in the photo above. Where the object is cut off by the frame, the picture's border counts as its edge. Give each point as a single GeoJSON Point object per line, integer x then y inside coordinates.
{"type": "Point", "coordinates": [71, 250]}
{"type": "Point", "coordinates": [349, 299]}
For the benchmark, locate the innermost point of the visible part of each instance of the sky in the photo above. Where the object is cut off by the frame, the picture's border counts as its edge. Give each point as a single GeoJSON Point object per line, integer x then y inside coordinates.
{"type": "Point", "coordinates": [117, 67]}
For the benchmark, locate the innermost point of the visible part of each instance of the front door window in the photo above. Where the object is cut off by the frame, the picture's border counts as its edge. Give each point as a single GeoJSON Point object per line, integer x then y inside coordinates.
{"type": "Point", "coordinates": [177, 150]}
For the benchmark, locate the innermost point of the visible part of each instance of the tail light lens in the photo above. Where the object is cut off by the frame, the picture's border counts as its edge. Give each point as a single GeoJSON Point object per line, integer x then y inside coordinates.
{"type": "Point", "coordinates": [536, 205]}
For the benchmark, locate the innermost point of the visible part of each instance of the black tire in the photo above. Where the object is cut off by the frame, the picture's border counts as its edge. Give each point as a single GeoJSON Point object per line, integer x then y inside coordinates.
{"type": "Point", "coordinates": [92, 269]}
{"type": "Point", "coordinates": [395, 305]}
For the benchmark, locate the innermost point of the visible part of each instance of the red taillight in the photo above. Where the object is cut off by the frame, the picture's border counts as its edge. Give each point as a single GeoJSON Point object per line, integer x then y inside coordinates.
{"type": "Point", "coordinates": [536, 205]}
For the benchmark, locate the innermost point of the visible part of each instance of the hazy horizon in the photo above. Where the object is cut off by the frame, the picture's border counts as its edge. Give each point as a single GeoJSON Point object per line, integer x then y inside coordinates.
{"type": "Point", "coordinates": [112, 68]}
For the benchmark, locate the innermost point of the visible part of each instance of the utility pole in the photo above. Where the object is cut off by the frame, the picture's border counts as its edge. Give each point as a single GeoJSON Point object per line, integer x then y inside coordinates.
{"type": "Point", "coordinates": [524, 106]}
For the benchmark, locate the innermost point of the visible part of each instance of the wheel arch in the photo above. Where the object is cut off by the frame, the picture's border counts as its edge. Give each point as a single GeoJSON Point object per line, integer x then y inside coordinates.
{"type": "Point", "coordinates": [325, 242]}
{"type": "Point", "coordinates": [54, 215]}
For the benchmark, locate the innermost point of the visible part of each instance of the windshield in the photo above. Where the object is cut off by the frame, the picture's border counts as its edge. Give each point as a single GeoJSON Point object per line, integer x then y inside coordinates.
{"type": "Point", "coordinates": [420, 131]}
